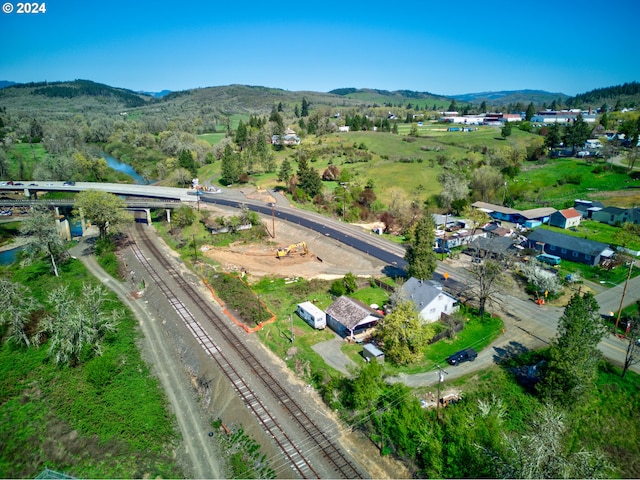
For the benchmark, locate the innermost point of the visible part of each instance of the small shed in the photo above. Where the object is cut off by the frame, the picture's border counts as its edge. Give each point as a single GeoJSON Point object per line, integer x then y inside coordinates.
{"type": "Point", "coordinates": [371, 352]}
{"type": "Point", "coordinates": [312, 315]}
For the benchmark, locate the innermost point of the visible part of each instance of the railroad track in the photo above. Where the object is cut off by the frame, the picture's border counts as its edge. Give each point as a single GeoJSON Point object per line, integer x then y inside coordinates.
{"type": "Point", "coordinates": [295, 455]}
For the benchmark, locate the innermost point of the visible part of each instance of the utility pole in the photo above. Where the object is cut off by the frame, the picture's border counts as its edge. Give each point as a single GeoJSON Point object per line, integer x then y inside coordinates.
{"type": "Point", "coordinates": [293, 335]}
{"type": "Point", "coordinates": [344, 199]}
{"type": "Point", "coordinates": [273, 219]}
{"type": "Point", "coordinates": [444, 237]}
{"type": "Point", "coordinates": [441, 374]}
{"type": "Point", "coordinates": [624, 292]}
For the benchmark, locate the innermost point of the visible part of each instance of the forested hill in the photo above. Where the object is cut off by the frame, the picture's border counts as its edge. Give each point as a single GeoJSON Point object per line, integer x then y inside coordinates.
{"type": "Point", "coordinates": [391, 98]}
{"type": "Point", "coordinates": [85, 88]}
{"type": "Point", "coordinates": [617, 97]}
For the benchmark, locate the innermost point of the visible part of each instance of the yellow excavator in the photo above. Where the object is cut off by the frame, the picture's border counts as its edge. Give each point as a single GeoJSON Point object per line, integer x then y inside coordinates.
{"type": "Point", "coordinates": [296, 247]}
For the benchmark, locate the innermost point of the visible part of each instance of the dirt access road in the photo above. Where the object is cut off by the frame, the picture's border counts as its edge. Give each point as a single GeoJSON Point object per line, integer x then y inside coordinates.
{"type": "Point", "coordinates": [199, 393]}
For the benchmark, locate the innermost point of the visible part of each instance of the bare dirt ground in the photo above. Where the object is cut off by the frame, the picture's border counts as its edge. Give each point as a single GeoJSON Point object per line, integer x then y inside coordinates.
{"type": "Point", "coordinates": [327, 258]}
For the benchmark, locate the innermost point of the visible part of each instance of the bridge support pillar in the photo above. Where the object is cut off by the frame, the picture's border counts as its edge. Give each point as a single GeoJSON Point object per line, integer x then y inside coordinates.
{"type": "Point", "coordinates": [62, 225]}
{"type": "Point", "coordinates": [148, 211]}
{"type": "Point", "coordinates": [168, 210]}
{"type": "Point", "coordinates": [82, 225]}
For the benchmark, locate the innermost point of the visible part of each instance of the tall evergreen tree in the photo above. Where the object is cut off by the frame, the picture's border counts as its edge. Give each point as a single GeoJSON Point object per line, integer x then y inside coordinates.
{"type": "Point", "coordinates": [420, 257]}
{"type": "Point", "coordinates": [553, 137]}
{"type": "Point", "coordinates": [531, 111]}
{"type": "Point", "coordinates": [284, 173]}
{"type": "Point", "coordinates": [242, 135]}
{"type": "Point", "coordinates": [305, 108]}
{"type": "Point", "coordinates": [309, 179]}
{"type": "Point", "coordinates": [506, 130]}
{"type": "Point", "coordinates": [230, 166]}
{"type": "Point", "coordinates": [577, 133]}
{"type": "Point", "coordinates": [574, 353]}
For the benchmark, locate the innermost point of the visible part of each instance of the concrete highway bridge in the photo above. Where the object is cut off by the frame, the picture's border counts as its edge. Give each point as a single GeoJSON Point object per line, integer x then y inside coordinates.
{"type": "Point", "coordinates": [140, 199]}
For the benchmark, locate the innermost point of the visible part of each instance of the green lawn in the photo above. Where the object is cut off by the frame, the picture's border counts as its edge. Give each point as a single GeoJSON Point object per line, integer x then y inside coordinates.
{"type": "Point", "coordinates": [596, 231]}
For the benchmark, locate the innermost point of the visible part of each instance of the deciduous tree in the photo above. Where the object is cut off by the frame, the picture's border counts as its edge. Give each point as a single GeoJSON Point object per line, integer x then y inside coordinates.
{"type": "Point", "coordinates": [455, 186]}
{"type": "Point", "coordinates": [183, 216]}
{"type": "Point", "coordinates": [43, 237]}
{"type": "Point", "coordinates": [544, 453]}
{"type": "Point", "coordinates": [488, 275]}
{"type": "Point", "coordinates": [485, 181]}
{"type": "Point", "coordinates": [105, 210]}
{"type": "Point", "coordinates": [78, 324]}
{"type": "Point", "coordinates": [402, 334]}
{"type": "Point", "coordinates": [16, 306]}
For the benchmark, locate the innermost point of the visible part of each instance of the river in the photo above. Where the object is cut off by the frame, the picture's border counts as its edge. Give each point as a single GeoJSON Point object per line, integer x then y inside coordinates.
{"type": "Point", "coordinates": [9, 256]}
{"type": "Point", "coordinates": [122, 167]}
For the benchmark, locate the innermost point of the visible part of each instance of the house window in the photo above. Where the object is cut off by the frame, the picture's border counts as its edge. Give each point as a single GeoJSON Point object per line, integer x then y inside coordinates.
{"type": "Point", "coordinates": [433, 310]}
{"type": "Point", "coordinates": [575, 254]}
{"type": "Point", "coordinates": [563, 250]}
{"type": "Point", "coordinates": [587, 257]}
{"type": "Point", "coordinates": [552, 248]}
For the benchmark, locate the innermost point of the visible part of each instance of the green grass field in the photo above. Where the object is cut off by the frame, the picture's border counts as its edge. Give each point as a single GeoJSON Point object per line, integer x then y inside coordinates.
{"type": "Point", "coordinates": [212, 138]}
{"type": "Point", "coordinates": [106, 418]}
{"type": "Point", "coordinates": [559, 182]}
{"type": "Point", "coordinates": [23, 158]}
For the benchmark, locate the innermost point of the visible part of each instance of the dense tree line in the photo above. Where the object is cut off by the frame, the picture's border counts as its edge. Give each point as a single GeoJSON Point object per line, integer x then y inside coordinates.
{"type": "Point", "coordinates": [597, 95]}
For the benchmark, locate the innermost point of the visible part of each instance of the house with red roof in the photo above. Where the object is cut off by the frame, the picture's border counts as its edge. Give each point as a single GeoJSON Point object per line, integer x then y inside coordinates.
{"type": "Point", "coordinates": [567, 218]}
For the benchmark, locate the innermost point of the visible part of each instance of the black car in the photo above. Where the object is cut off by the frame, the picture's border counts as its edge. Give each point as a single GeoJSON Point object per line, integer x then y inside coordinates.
{"type": "Point", "coordinates": [466, 355]}
{"type": "Point", "coordinates": [68, 184]}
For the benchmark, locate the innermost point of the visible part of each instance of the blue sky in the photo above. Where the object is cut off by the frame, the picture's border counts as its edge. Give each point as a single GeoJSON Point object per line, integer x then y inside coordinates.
{"type": "Point", "coordinates": [441, 47]}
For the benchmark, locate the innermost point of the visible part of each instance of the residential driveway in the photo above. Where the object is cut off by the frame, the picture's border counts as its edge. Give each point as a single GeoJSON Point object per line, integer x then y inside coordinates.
{"type": "Point", "coordinates": [333, 356]}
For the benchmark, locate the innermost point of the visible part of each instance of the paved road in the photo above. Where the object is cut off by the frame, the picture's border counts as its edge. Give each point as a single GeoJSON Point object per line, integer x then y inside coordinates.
{"type": "Point", "coordinates": [528, 326]}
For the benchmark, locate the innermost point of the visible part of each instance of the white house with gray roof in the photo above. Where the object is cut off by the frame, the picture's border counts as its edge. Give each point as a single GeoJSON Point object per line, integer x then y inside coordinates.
{"type": "Point", "coordinates": [429, 299]}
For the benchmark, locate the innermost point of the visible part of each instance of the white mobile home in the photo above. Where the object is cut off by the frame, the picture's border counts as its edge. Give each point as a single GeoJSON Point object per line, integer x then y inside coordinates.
{"type": "Point", "coordinates": [312, 315]}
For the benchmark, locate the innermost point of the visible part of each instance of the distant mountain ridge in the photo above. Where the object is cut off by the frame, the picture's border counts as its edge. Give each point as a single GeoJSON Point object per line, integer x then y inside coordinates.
{"type": "Point", "coordinates": [157, 94]}
{"type": "Point", "coordinates": [258, 100]}
{"type": "Point", "coordinates": [511, 96]}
